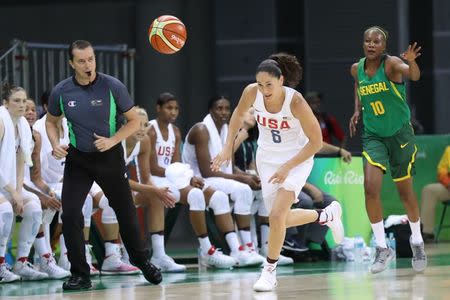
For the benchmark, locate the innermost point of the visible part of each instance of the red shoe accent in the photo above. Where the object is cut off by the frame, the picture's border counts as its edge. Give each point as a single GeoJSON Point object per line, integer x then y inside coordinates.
{"type": "Point", "coordinates": [211, 250]}
{"type": "Point", "coordinates": [22, 259]}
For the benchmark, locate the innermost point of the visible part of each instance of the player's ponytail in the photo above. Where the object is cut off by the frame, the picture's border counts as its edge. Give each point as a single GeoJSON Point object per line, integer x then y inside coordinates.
{"type": "Point", "coordinates": [290, 68]}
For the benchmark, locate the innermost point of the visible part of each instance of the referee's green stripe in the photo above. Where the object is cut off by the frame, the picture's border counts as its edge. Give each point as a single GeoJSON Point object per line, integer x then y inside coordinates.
{"type": "Point", "coordinates": [73, 139]}
{"type": "Point", "coordinates": [112, 114]}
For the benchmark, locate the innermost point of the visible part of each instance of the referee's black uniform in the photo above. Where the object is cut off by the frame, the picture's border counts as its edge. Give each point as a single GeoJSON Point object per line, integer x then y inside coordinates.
{"type": "Point", "coordinates": [96, 108]}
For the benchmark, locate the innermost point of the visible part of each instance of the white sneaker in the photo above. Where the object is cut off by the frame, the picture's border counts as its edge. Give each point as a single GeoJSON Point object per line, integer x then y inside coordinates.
{"type": "Point", "coordinates": [268, 279]}
{"type": "Point", "coordinates": [49, 266]}
{"type": "Point", "coordinates": [167, 264]}
{"type": "Point", "coordinates": [215, 258]}
{"type": "Point", "coordinates": [245, 257]}
{"type": "Point", "coordinates": [113, 265]}
{"type": "Point", "coordinates": [28, 272]}
{"type": "Point", "coordinates": [257, 257]}
{"type": "Point", "coordinates": [63, 261]}
{"type": "Point", "coordinates": [333, 220]}
{"type": "Point", "coordinates": [6, 275]}
{"type": "Point", "coordinates": [93, 270]}
{"type": "Point", "coordinates": [124, 255]}
{"type": "Point", "coordinates": [282, 260]}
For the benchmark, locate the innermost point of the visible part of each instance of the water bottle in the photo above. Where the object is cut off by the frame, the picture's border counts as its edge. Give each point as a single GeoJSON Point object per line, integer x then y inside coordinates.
{"type": "Point", "coordinates": [9, 256]}
{"type": "Point", "coordinates": [393, 243]}
{"type": "Point", "coordinates": [373, 247]}
{"type": "Point", "coordinates": [359, 248]}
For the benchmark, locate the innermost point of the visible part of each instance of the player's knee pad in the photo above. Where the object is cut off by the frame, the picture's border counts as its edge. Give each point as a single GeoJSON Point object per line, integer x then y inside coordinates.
{"type": "Point", "coordinates": [196, 200]}
{"type": "Point", "coordinates": [108, 214]}
{"type": "Point", "coordinates": [6, 220]}
{"type": "Point", "coordinates": [32, 215]}
{"type": "Point", "coordinates": [243, 199]}
{"type": "Point", "coordinates": [87, 211]}
{"type": "Point", "coordinates": [219, 203]}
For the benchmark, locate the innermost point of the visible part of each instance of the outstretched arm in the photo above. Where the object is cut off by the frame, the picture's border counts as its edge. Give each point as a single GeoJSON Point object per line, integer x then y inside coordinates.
{"type": "Point", "coordinates": [410, 70]}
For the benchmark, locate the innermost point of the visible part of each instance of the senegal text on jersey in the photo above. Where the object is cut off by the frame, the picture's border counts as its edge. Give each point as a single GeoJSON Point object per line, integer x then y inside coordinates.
{"type": "Point", "coordinates": [373, 88]}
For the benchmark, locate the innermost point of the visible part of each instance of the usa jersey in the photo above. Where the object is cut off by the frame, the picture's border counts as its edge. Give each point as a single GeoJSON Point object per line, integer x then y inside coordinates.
{"type": "Point", "coordinates": [134, 153]}
{"type": "Point", "coordinates": [52, 169]}
{"type": "Point", "coordinates": [281, 131]}
{"type": "Point", "coordinates": [164, 148]}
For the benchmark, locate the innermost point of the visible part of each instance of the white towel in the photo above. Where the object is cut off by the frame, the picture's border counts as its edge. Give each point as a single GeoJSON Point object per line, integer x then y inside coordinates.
{"type": "Point", "coordinates": [217, 141]}
{"type": "Point", "coordinates": [179, 174]}
{"type": "Point", "coordinates": [8, 170]}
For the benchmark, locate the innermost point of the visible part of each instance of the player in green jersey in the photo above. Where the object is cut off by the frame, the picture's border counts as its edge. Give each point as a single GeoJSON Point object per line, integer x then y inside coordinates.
{"type": "Point", "coordinates": [388, 138]}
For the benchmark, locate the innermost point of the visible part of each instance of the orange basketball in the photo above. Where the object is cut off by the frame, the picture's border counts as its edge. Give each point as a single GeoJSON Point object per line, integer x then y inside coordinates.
{"type": "Point", "coordinates": [167, 34]}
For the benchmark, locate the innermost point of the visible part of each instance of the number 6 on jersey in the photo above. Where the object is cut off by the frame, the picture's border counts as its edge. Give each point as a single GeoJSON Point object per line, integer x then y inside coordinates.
{"type": "Point", "coordinates": [276, 137]}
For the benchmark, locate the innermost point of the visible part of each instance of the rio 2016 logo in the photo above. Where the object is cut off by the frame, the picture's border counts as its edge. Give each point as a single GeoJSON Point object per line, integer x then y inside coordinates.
{"type": "Point", "coordinates": [349, 177]}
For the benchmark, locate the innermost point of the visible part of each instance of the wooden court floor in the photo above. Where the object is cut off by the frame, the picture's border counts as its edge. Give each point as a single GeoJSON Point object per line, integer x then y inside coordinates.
{"type": "Point", "coordinates": [322, 280]}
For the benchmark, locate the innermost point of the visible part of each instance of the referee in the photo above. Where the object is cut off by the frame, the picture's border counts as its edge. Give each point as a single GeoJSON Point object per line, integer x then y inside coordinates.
{"type": "Point", "coordinates": [94, 105]}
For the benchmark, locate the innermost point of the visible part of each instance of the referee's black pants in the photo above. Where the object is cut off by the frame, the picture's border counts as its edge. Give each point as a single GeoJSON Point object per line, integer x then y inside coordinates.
{"type": "Point", "coordinates": [109, 171]}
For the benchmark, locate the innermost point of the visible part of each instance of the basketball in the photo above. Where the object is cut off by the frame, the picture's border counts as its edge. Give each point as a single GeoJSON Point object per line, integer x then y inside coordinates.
{"type": "Point", "coordinates": [167, 34]}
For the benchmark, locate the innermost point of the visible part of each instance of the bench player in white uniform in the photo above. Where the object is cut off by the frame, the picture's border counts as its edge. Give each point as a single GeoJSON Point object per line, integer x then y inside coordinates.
{"type": "Point", "coordinates": [203, 142]}
{"type": "Point", "coordinates": [15, 155]}
{"type": "Point", "coordinates": [52, 172]}
{"type": "Point", "coordinates": [182, 192]}
{"type": "Point", "coordinates": [33, 182]}
{"type": "Point", "coordinates": [165, 138]}
{"type": "Point", "coordinates": [289, 137]}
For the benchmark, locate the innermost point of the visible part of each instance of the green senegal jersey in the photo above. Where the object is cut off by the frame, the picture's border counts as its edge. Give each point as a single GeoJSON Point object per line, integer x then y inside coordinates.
{"type": "Point", "coordinates": [384, 105]}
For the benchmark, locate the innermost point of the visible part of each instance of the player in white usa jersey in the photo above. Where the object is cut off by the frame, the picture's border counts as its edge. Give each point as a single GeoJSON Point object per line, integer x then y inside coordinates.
{"type": "Point", "coordinates": [289, 137]}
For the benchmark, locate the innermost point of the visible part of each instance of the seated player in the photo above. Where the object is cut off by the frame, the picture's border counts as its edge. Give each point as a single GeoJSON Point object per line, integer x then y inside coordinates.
{"type": "Point", "coordinates": [15, 153]}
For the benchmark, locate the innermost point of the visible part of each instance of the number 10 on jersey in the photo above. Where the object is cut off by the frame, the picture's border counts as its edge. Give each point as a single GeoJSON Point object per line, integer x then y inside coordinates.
{"type": "Point", "coordinates": [378, 108]}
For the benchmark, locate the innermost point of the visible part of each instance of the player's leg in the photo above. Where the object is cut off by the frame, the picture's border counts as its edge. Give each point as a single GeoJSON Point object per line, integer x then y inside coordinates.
{"type": "Point", "coordinates": [373, 177]}
{"type": "Point", "coordinates": [402, 150]}
{"type": "Point", "coordinates": [29, 228]}
{"type": "Point", "coordinates": [277, 218]}
{"type": "Point", "coordinates": [6, 221]}
{"type": "Point", "coordinates": [44, 259]}
{"type": "Point", "coordinates": [155, 226]}
{"type": "Point", "coordinates": [218, 202]}
{"type": "Point", "coordinates": [112, 264]}
{"type": "Point", "coordinates": [242, 196]}
{"type": "Point", "coordinates": [376, 158]}
{"type": "Point", "coordinates": [263, 218]}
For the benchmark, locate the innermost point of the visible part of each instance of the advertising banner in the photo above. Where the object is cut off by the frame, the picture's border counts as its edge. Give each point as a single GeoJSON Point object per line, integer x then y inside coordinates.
{"type": "Point", "coordinates": [346, 183]}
